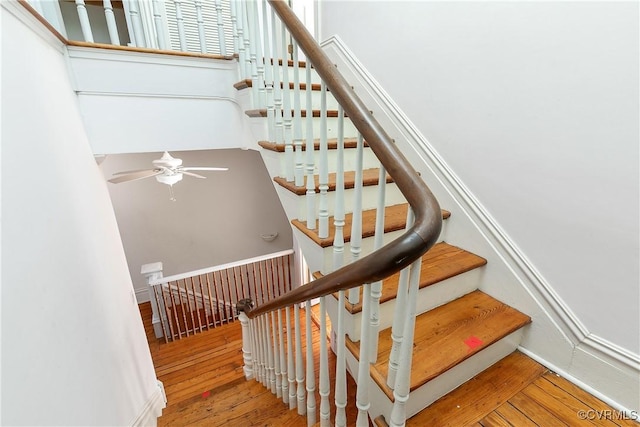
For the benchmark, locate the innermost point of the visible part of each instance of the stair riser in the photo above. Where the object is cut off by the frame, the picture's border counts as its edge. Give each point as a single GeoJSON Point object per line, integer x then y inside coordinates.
{"type": "Point", "coordinates": [366, 247]}
{"type": "Point", "coordinates": [276, 162]}
{"type": "Point", "coordinates": [428, 298]}
{"type": "Point", "coordinates": [316, 100]}
{"type": "Point", "coordinates": [315, 78]}
{"type": "Point", "coordinates": [296, 206]}
{"type": "Point", "coordinates": [443, 384]}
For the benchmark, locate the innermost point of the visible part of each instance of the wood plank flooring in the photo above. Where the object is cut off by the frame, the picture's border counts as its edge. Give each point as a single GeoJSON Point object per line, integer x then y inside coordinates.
{"type": "Point", "coordinates": [516, 392]}
{"type": "Point", "coordinates": [205, 386]}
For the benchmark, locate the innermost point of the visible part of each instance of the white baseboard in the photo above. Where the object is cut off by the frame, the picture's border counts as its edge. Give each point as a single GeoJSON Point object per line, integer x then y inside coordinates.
{"type": "Point", "coordinates": [557, 335]}
{"type": "Point", "coordinates": [152, 410]}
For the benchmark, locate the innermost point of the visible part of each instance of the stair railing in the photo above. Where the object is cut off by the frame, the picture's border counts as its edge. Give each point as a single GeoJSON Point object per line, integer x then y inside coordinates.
{"type": "Point", "coordinates": [423, 229]}
{"type": "Point", "coordinates": [428, 218]}
{"type": "Point", "coordinates": [196, 301]}
{"type": "Point", "coordinates": [195, 26]}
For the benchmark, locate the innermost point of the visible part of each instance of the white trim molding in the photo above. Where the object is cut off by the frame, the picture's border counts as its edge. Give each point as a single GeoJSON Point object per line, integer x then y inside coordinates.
{"type": "Point", "coordinates": [556, 337]}
{"type": "Point", "coordinates": [152, 410]}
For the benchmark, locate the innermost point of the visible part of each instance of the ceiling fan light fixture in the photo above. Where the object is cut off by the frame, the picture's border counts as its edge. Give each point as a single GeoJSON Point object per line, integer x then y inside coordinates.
{"type": "Point", "coordinates": [169, 179]}
{"type": "Point", "coordinates": [167, 161]}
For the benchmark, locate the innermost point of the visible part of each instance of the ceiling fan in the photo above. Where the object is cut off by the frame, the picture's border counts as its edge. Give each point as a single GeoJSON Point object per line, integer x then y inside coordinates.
{"type": "Point", "coordinates": [167, 170]}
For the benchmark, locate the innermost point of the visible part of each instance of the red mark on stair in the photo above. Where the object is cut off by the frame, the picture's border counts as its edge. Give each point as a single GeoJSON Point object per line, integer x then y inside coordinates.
{"type": "Point", "coordinates": [473, 342]}
{"type": "Point", "coordinates": [206, 394]}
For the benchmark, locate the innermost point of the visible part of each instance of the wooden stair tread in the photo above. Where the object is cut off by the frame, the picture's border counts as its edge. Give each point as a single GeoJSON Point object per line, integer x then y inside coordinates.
{"type": "Point", "coordinates": [448, 335]}
{"type": "Point", "coordinates": [369, 177]}
{"type": "Point", "coordinates": [395, 218]}
{"type": "Point", "coordinates": [441, 262]}
{"type": "Point", "coordinates": [513, 374]}
{"type": "Point", "coordinates": [247, 83]}
{"type": "Point", "coordinates": [262, 112]}
{"type": "Point", "coordinates": [332, 144]}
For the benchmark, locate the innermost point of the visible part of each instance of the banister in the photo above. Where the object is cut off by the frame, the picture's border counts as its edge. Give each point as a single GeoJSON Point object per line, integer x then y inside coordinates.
{"type": "Point", "coordinates": [219, 267]}
{"type": "Point", "coordinates": [428, 218]}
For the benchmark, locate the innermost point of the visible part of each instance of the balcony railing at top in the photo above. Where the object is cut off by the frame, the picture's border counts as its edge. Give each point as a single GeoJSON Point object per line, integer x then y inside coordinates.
{"type": "Point", "coordinates": [196, 26]}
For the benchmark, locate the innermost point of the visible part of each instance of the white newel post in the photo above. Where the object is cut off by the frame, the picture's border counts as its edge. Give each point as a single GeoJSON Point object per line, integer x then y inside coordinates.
{"type": "Point", "coordinates": [247, 347]}
{"type": "Point", "coordinates": [152, 272]}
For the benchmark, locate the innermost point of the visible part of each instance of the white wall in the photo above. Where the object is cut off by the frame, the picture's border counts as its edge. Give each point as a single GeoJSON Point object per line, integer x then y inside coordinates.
{"type": "Point", "coordinates": [141, 102]}
{"type": "Point", "coordinates": [74, 350]}
{"type": "Point", "coordinates": [534, 105]}
{"type": "Point", "coordinates": [213, 221]}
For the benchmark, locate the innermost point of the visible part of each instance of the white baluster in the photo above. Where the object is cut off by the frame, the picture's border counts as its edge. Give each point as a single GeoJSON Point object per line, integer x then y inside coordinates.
{"type": "Point", "coordinates": [238, 19]}
{"type": "Point", "coordinates": [266, 381]}
{"type": "Point", "coordinates": [286, 110]}
{"type": "Point", "coordinates": [277, 88]}
{"type": "Point", "coordinates": [403, 381]}
{"type": "Point", "coordinates": [223, 47]}
{"type": "Point", "coordinates": [257, 42]}
{"type": "Point", "coordinates": [291, 372]}
{"type": "Point", "coordinates": [276, 355]}
{"type": "Point", "coordinates": [252, 49]}
{"type": "Point", "coordinates": [254, 326]}
{"type": "Point", "coordinates": [85, 25]}
{"type": "Point", "coordinates": [338, 215]}
{"type": "Point", "coordinates": [356, 221]}
{"type": "Point", "coordinates": [302, 408]}
{"type": "Point", "coordinates": [111, 22]}
{"type": "Point", "coordinates": [397, 327]}
{"type": "Point", "coordinates": [324, 385]}
{"type": "Point", "coordinates": [160, 28]}
{"type": "Point", "coordinates": [323, 170]}
{"type": "Point", "coordinates": [309, 169]}
{"type": "Point", "coordinates": [247, 49]}
{"type": "Point", "coordinates": [246, 346]}
{"type": "Point", "coordinates": [159, 25]}
{"type": "Point", "coordinates": [180, 23]}
{"type": "Point", "coordinates": [234, 25]}
{"type": "Point", "coordinates": [341, 366]}
{"type": "Point", "coordinates": [263, 354]}
{"type": "Point", "coordinates": [362, 393]}
{"type": "Point", "coordinates": [283, 361]}
{"type": "Point", "coordinates": [200, 21]}
{"type": "Point", "coordinates": [271, 380]}
{"type": "Point", "coordinates": [311, 383]}
{"type": "Point", "coordinates": [376, 287]}
{"type": "Point", "coordinates": [269, 79]}
{"type": "Point", "coordinates": [297, 120]}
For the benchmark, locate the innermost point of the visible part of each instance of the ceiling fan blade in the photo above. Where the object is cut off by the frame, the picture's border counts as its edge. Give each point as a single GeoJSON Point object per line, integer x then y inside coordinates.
{"type": "Point", "coordinates": [134, 171]}
{"type": "Point", "coordinates": [195, 175]}
{"type": "Point", "coordinates": [202, 168]}
{"type": "Point", "coordinates": [135, 176]}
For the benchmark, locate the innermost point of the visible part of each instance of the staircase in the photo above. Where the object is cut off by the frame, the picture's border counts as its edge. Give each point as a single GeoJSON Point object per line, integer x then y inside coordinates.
{"type": "Point", "coordinates": [459, 331]}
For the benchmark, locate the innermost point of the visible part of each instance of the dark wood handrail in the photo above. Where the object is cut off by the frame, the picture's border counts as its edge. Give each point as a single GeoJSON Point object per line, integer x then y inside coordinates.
{"type": "Point", "coordinates": [428, 217]}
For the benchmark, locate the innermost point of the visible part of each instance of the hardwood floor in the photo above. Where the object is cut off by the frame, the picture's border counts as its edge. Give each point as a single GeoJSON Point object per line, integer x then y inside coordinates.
{"type": "Point", "coordinates": [205, 386]}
